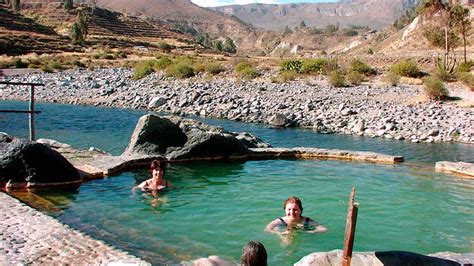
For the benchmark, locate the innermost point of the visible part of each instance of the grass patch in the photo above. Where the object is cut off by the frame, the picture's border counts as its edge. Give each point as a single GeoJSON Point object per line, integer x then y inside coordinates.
{"type": "Point", "coordinates": [143, 69]}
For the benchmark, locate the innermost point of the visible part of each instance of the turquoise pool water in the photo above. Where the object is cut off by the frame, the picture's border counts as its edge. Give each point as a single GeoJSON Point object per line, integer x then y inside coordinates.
{"type": "Point", "coordinates": [216, 207]}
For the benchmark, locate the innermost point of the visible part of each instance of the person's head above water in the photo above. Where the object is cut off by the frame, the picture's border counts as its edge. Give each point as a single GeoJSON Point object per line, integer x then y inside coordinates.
{"type": "Point", "coordinates": [293, 208]}
{"type": "Point", "coordinates": [155, 165]}
{"type": "Point", "coordinates": [254, 254]}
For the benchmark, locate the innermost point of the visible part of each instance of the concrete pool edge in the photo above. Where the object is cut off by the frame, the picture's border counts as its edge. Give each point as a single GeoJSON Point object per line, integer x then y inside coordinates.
{"type": "Point", "coordinates": [30, 237]}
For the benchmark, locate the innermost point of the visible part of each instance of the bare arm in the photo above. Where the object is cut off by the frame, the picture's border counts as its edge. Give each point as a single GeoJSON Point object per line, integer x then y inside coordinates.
{"type": "Point", "coordinates": [318, 228]}
{"type": "Point", "coordinates": [272, 225]}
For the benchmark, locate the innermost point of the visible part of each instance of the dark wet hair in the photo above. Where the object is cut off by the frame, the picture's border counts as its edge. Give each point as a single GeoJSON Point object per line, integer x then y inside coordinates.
{"type": "Point", "coordinates": [254, 254]}
{"type": "Point", "coordinates": [155, 164]}
{"type": "Point", "coordinates": [293, 200]}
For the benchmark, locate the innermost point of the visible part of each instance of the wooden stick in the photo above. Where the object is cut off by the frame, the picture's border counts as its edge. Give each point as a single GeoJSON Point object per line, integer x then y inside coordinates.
{"type": "Point", "coordinates": [32, 113]}
{"type": "Point", "coordinates": [350, 230]}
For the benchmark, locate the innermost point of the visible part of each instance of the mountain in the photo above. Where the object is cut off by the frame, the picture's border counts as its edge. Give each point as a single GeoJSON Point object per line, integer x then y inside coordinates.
{"type": "Point", "coordinates": [376, 14]}
{"type": "Point", "coordinates": [183, 13]}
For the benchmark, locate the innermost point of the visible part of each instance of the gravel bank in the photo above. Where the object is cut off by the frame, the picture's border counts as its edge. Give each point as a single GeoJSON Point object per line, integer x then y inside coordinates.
{"type": "Point", "coordinates": [28, 236]}
{"type": "Point", "coordinates": [374, 111]}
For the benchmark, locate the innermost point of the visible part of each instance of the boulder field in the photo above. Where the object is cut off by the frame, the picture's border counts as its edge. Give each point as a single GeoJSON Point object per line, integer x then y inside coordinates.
{"type": "Point", "coordinates": [393, 112]}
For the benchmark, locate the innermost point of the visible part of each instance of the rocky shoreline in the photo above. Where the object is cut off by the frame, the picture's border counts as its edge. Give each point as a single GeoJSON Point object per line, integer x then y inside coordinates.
{"type": "Point", "coordinates": [367, 110]}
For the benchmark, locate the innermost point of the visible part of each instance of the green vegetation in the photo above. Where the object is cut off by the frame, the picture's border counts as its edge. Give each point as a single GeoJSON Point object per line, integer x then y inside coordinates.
{"type": "Point", "coordinates": [360, 67]}
{"type": "Point", "coordinates": [319, 66]}
{"type": "Point", "coordinates": [143, 69]}
{"type": "Point", "coordinates": [68, 4]}
{"type": "Point", "coordinates": [46, 69]}
{"type": "Point", "coordinates": [80, 29]}
{"type": "Point", "coordinates": [229, 46]}
{"type": "Point", "coordinates": [337, 79]}
{"type": "Point", "coordinates": [242, 65]}
{"type": "Point", "coordinates": [290, 65]}
{"type": "Point", "coordinates": [165, 47]}
{"type": "Point", "coordinates": [180, 70]}
{"type": "Point", "coordinates": [467, 78]}
{"type": "Point", "coordinates": [392, 78]}
{"type": "Point", "coordinates": [284, 77]}
{"type": "Point", "coordinates": [162, 63]}
{"type": "Point", "coordinates": [213, 68]}
{"type": "Point", "coordinates": [434, 88]}
{"type": "Point", "coordinates": [406, 68]}
{"type": "Point", "coordinates": [248, 73]}
{"type": "Point", "coordinates": [355, 78]}
{"type": "Point", "coordinates": [350, 32]}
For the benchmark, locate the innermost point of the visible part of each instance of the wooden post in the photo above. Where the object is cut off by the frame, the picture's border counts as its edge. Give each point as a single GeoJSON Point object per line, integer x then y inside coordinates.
{"type": "Point", "coordinates": [350, 230]}
{"type": "Point", "coordinates": [32, 113]}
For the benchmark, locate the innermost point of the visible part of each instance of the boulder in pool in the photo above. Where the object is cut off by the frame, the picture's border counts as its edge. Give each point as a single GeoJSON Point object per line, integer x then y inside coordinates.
{"type": "Point", "coordinates": [30, 164]}
{"type": "Point", "coordinates": [334, 257]}
{"type": "Point", "coordinates": [177, 138]}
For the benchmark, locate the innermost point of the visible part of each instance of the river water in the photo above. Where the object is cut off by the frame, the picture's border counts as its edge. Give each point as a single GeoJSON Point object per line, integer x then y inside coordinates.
{"type": "Point", "coordinates": [217, 207]}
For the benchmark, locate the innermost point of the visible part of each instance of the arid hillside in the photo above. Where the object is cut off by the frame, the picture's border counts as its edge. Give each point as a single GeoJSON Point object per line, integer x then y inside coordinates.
{"type": "Point", "coordinates": [183, 13]}
{"type": "Point", "coordinates": [376, 14]}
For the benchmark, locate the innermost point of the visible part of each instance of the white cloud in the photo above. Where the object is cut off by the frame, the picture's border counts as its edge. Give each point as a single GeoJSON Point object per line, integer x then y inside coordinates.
{"type": "Point", "coordinates": [209, 3]}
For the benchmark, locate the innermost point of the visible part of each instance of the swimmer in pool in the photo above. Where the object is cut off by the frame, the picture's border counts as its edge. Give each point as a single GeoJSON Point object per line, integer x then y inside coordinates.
{"type": "Point", "coordinates": [156, 182]}
{"type": "Point", "coordinates": [294, 219]}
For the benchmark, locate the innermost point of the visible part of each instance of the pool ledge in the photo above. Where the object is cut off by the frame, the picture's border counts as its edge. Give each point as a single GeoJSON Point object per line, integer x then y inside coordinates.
{"type": "Point", "coordinates": [461, 169]}
{"type": "Point", "coordinates": [94, 164]}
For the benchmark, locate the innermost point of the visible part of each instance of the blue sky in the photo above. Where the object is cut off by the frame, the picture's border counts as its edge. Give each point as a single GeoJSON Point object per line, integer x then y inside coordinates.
{"type": "Point", "coordinates": [208, 3]}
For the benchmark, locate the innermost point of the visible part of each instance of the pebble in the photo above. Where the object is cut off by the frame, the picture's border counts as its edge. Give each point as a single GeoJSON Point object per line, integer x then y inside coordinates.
{"type": "Point", "coordinates": [35, 238]}
{"type": "Point", "coordinates": [305, 104]}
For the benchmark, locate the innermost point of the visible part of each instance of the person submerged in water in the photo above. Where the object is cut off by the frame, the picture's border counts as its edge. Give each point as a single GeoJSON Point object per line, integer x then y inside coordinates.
{"type": "Point", "coordinates": [156, 182]}
{"type": "Point", "coordinates": [294, 219]}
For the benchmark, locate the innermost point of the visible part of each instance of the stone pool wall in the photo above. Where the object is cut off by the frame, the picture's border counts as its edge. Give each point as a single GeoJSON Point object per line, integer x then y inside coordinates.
{"type": "Point", "coordinates": [28, 236]}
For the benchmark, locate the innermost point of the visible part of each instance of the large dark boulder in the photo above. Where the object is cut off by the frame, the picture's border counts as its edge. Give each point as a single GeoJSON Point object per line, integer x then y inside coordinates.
{"type": "Point", "coordinates": [30, 164]}
{"type": "Point", "coordinates": [154, 135]}
{"type": "Point", "coordinates": [177, 138]}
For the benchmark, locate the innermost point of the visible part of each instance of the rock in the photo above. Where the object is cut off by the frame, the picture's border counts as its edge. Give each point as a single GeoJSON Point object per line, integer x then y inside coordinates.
{"type": "Point", "coordinates": [157, 102]}
{"type": "Point", "coordinates": [53, 143]}
{"type": "Point", "coordinates": [154, 135]}
{"type": "Point", "coordinates": [184, 139]}
{"type": "Point", "coordinates": [463, 169]}
{"type": "Point", "coordinates": [280, 120]}
{"type": "Point", "coordinates": [376, 258]}
{"type": "Point", "coordinates": [433, 132]}
{"type": "Point", "coordinates": [31, 164]}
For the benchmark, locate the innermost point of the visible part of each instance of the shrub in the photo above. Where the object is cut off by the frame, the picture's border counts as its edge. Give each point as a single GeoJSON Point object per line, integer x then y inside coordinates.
{"type": "Point", "coordinates": [291, 65]}
{"type": "Point", "coordinates": [46, 68]}
{"type": "Point", "coordinates": [467, 78]}
{"type": "Point", "coordinates": [180, 70]}
{"type": "Point", "coordinates": [355, 78]}
{"type": "Point", "coordinates": [370, 51]}
{"type": "Point", "coordinates": [20, 64]}
{"type": "Point", "coordinates": [442, 74]}
{"type": "Point", "coordinates": [337, 79]}
{"type": "Point", "coordinates": [249, 73]}
{"type": "Point", "coordinates": [166, 47]}
{"type": "Point", "coordinates": [214, 68]}
{"type": "Point", "coordinates": [361, 67]}
{"type": "Point", "coordinates": [392, 78]}
{"type": "Point", "coordinates": [434, 88]}
{"type": "Point", "coordinates": [241, 66]}
{"type": "Point", "coordinates": [406, 68]}
{"type": "Point", "coordinates": [143, 69]}
{"type": "Point", "coordinates": [56, 65]}
{"type": "Point", "coordinates": [162, 63]}
{"type": "Point", "coordinates": [6, 64]}
{"type": "Point", "coordinates": [286, 76]}
{"type": "Point", "coordinates": [78, 63]}
{"type": "Point", "coordinates": [465, 67]}
{"type": "Point", "coordinates": [313, 66]}
{"type": "Point", "coordinates": [319, 66]}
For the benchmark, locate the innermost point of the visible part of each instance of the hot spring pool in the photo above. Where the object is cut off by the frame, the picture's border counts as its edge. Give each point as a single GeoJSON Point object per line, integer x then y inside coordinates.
{"type": "Point", "coordinates": [215, 208]}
